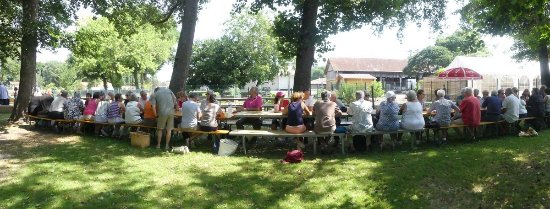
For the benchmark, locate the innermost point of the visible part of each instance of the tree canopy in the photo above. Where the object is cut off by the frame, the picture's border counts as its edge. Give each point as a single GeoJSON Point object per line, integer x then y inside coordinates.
{"type": "Point", "coordinates": [246, 52]}
{"type": "Point", "coordinates": [303, 26]}
{"type": "Point", "coordinates": [428, 60]}
{"type": "Point", "coordinates": [526, 21]}
{"type": "Point", "coordinates": [100, 52]}
{"type": "Point", "coordinates": [463, 42]}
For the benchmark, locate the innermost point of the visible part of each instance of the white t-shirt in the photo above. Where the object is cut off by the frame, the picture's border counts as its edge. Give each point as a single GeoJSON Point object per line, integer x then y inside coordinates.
{"type": "Point", "coordinates": [310, 101]}
{"type": "Point", "coordinates": [189, 110]}
{"type": "Point", "coordinates": [132, 114]}
{"type": "Point", "coordinates": [511, 103]}
{"type": "Point", "coordinates": [58, 104]}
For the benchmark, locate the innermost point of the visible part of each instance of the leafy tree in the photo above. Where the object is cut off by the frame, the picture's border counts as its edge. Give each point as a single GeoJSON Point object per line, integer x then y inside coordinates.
{"type": "Point", "coordinates": [317, 72]}
{"type": "Point", "coordinates": [463, 42]}
{"type": "Point", "coordinates": [98, 52]}
{"type": "Point", "coordinates": [246, 52]}
{"type": "Point", "coordinates": [58, 74]}
{"type": "Point", "coordinates": [27, 25]}
{"type": "Point", "coordinates": [526, 21]}
{"type": "Point", "coordinates": [9, 70]}
{"type": "Point", "coordinates": [146, 50]}
{"type": "Point", "coordinates": [428, 60]}
{"type": "Point", "coordinates": [304, 25]}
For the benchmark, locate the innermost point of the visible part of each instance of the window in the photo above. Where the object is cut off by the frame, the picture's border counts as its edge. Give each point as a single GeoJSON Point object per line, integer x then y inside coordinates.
{"type": "Point", "coordinates": [537, 82]}
{"type": "Point", "coordinates": [523, 83]}
{"type": "Point", "coordinates": [506, 82]}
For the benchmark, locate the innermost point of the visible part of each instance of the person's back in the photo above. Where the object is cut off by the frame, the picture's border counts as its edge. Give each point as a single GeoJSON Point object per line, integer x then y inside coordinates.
{"type": "Point", "coordinates": [471, 111]}
{"type": "Point", "coordinates": [91, 107]}
{"type": "Point", "coordinates": [4, 96]}
{"type": "Point", "coordinates": [165, 101]}
{"type": "Point", "coordinates": [412, 117]}
{"type": "Point", "coordinates": [58, 104]}
{"type": "Point", "coordinates": [361, 111]}
{"type": "Point", "coordinates": [148, 112]}
{"type": "Point", "coordinates": [73, 109]}
{"type": "Point", "coordinates": [511, 103]}
{"type": "Point", "coordinates": [295, 114]}
{"type": "Point", "coordinates": [189, 110]}
{"type": "Point", "coordinates": [388, 120]}
{"type": "Point", "coordinates": [113, 110]}
{"type": "Point", "coordinates": [132, 113]}
{"type": "Point", "coordinates": [209, 113]}
{"type": "Point", "coordinates": [493, 105]}
{"type": "Point", "coordinates": [535, 106]}
{"type": "Point", "coordinates": [443, 108]}
{"type": "Point", "coordinates": [324, 116]}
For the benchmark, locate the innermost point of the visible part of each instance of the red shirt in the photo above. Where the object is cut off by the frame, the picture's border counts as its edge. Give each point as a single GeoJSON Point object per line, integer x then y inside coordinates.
{"type": "Point", "coordinates": [284, 104]}
{"type": "Point", "coordinates": [471, 112]}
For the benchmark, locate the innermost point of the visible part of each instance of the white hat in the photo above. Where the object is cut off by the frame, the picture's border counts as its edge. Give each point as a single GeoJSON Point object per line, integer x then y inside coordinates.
{"type": "Point", "coordinates": [390, 94]}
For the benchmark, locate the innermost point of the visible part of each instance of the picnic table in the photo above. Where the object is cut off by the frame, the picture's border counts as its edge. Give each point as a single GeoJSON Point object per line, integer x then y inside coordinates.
{"type": "Point", "coordinates": [269, 115]}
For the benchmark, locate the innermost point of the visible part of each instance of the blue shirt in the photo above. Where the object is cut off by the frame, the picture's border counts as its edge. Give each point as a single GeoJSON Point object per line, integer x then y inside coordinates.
{"type": "Point", "coordinates": [3, 92]}
{"type": "Point", "coordinates": [493, 105]}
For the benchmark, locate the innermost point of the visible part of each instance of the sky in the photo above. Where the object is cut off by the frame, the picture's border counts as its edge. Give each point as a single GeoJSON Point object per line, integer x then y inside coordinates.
{"type": "Point", "coordinates": [357, 43]}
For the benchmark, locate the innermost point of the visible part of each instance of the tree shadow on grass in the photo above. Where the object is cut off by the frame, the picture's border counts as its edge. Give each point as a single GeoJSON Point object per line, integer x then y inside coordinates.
{"type": "Point", "coordinates": [498, 173]}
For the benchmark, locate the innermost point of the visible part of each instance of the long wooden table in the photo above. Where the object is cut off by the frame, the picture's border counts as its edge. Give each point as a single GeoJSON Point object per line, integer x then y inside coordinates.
{"type": "Point", "coordinates": [269, 115]}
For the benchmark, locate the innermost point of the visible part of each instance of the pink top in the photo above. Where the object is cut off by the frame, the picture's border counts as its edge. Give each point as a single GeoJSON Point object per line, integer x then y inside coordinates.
{"type": "Point", "coordinates": [255, 102]}
{"type": "Point", "coordinates": [90, 109]}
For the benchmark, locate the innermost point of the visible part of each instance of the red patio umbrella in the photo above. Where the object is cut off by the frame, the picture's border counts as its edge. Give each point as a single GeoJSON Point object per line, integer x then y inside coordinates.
{"type": "Point", "coordinates": [460, 73]}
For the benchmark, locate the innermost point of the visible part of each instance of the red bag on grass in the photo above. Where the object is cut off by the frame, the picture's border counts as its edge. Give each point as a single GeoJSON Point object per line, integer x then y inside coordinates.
{"type": "Point", "coordinates": [294, 156]}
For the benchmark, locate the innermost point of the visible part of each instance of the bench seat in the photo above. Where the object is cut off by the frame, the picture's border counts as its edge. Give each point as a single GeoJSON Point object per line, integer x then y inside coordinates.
{"type": "Point", "coordinates": [280, 133]}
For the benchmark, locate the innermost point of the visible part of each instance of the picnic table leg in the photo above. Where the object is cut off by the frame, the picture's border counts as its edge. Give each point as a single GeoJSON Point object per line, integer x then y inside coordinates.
{"type": "Point", "coordinates": [244, 144]}
{"type": "Point", "coordinates": [343, 144]}
{"type": "Point", "coordinates": [315, 145]}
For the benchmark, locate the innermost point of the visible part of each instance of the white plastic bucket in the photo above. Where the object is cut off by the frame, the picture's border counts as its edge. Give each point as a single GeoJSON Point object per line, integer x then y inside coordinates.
{"type": "Point", "coordinates": [227, 147]}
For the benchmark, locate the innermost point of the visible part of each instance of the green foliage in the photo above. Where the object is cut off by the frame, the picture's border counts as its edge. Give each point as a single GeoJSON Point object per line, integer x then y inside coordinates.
{"type": "Point", "coordinates": [526, 21]}
{"type": "Point", "coordinates": [427, 61]}
{"type": "Point", "coordinates": [10, 70]}
{"type": "Point", "coordinates": [100, 52]}
{"type": "Point", "coordinates": [378, 89]}
{"type": "Point", "coordinates": [317, 72]}
{"type": "Point", "coordinates": [344, 15]}
{"type": "Point", "coordinates": [58, 75]}
{"type": "Point", "coordinates": [464, 42]}
{"type": "Point", "coordinates": [246, 52]}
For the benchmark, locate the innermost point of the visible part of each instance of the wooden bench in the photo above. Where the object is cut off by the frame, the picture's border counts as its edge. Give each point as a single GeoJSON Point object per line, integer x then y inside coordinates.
{"type": "Point", "coordinates": [278, 133]}
{"type": "Point", "coordinates": [485, 123]}
{"type": "Point", "coordinates": [400, 131]}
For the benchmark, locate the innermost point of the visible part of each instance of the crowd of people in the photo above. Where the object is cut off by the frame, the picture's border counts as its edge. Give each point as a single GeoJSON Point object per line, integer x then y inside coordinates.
{"type": "Point", "coordinates": [111, 111]}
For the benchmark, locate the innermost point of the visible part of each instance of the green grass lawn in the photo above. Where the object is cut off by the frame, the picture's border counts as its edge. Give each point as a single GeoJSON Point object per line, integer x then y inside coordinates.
{"type": "Point", "coordinates": [90, 172]}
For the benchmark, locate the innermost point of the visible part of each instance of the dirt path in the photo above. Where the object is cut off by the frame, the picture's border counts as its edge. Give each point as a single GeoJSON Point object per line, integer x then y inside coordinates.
{"type": "Point", "coordinates": [18, 138]}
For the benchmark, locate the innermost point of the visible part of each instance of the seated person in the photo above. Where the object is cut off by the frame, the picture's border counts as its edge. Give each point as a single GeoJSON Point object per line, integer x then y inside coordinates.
{"type": "Point", "coordinates": [40, 105]}
{"type": "Point", "coordinates": [388, 112]}
{"type": "Point", "coordinates": [413, 120]}
{"type": "Point", "coordinates": [73, 108]}
{"type": "Point", "coordinates": [149, 116]}
{"type": "Point", "coordinates": [254, 102]}
{"type": "Point", "coordinates": [295, 122]}
{"type": "Point", "coordinates": [91, 106]}
{"type": "Point", "coordinates": [361, 111]}
{"type": "Point", "coordinates": [56, 109]}
{"type": "Point", "coordinates": [442, 108]}
{"type": "Point", "coordinates": [208, 120]}
{"type": "Point", "coordinates": [132, 114]}
{"type": "Point", "coordinates": [88, 98]}
{"type": "Point", "coordinates": [280, 103]}
{"type": "Point", "coordinates": [325, 112]}
{"type": "Point", "coordinates": [100, 114]}
{"type": "Point", "coordinates": [190, 114]}
{"type": "Point", "coordinates": [114, 114]}
{"type": "Point", "coordinates": [494, 106]}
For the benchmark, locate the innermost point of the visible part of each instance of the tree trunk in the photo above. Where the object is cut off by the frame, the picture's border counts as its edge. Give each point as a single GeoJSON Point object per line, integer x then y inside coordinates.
{"type": "Point", "coordinates": [306, 46]}
{"type": "Point", "coordinates": [543, 61]}
{"type": "Point", "coordinates": [182, 60]}
{"type": "Point", "coordinates": [105, 86]}
{"type": "Point", "coordinates": [142, 79]}
{"type": "Point", "coordinates": [29, 43]}
{"type": "Point", "coordinates": [136, 79]}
